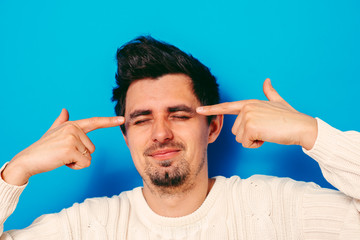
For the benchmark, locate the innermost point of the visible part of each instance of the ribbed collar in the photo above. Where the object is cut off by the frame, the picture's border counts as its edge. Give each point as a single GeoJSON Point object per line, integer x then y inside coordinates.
{"type": "Point", "coordinates": [152, 220]}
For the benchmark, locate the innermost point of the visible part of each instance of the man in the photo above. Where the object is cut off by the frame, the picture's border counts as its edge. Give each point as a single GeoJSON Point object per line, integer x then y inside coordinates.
{"type": "Point", "coordinates": [169, 112]}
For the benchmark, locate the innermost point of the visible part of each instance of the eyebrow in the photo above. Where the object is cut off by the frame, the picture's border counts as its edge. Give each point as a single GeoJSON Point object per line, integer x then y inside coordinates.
{"type": "Point", "coordinates": [139, 112]}
{"type": "Point", "coordinates": [181, 108]}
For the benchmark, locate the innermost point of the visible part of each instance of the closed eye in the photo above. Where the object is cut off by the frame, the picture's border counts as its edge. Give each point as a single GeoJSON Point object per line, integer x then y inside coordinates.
{"type": "Point", "coordinates": [182, 117]}
{"type": "Point", "coordinates": [138, 122]}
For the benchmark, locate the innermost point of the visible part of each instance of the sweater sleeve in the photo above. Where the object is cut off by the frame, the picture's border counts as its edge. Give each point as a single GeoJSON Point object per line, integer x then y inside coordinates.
{"type": "Point", "coordinates": [9, 197]}
{"type": "Point", "coordinates": [338, 154]}
{"type": "Point", "coordinates": [45, 227]}
{"type": "Point", "coordinates": [95, 218]}
{"type": "Point", "coordinates": [329, 214]}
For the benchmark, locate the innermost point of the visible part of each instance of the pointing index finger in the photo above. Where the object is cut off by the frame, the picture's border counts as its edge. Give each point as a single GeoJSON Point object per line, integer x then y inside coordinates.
{"type": "Point", "coordinates": [232, 108]}
{"type": "Point", "coordinates": [91, 124]}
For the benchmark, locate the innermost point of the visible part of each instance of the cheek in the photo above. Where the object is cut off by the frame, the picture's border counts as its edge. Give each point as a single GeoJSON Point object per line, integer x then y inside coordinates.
{"type": "Point", "coordinates": [137, 136]}
{"type": "Point", "coordinates": [136, 146]}
{"type": "Point", "coordinates": [197, 140]}
{"type": "Point", "coordinates": [138, 159]}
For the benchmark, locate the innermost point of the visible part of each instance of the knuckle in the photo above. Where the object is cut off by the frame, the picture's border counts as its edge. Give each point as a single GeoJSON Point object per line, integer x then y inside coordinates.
{"type": "Point", "coordinates": [248, 123]}
{"type": "Point", "coordinates": [249, 126]}
{"type": "Point", "coordinates": [238, 138]}
{"type": "Point", "coordinates": [70, 127]}
{"type": "Point", "coordinates": [70, 140]}
{"type": "Point", "coordinates": [233, 130]}
{"type": "Point", "coordinates": [87, 163]}
{"type": "Point", "coordinates": [248, 108]}
{"type": "Point", "coordinates": [246, 145]}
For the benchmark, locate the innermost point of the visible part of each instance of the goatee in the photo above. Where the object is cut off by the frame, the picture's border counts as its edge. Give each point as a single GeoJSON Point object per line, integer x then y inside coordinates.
{"type": "Point", "coordinates": [174, 172]}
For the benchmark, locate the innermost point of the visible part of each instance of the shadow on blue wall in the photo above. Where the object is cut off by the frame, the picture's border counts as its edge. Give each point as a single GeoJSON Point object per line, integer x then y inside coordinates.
{"type": "Point", "coordinates": [221, 152]}
{"type": "Point", "coordinates": [295, 164]}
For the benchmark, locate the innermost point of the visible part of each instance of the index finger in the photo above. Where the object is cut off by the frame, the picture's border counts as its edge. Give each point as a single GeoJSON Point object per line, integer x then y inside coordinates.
{"type": "Point", "coordinates": [91, 124]}
{"type": "Point", "coordinates": [233, 108]}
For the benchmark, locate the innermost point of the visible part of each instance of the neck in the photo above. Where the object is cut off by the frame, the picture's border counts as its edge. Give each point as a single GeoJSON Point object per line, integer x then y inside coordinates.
{"type": "Point", "coordinates": [178, 203]}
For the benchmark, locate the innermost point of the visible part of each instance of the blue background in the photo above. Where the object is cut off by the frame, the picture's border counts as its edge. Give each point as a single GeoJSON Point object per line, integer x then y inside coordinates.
{"type": "Point", "coordinates": [61, 54]}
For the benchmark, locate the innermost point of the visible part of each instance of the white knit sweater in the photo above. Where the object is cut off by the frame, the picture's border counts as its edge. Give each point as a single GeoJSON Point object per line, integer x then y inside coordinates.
{"type": "Point", "coordinates": [260, 207]}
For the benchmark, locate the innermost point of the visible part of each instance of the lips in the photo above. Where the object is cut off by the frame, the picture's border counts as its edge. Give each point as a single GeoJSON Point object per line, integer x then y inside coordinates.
{"type": "Point", "coordinates": [164, 154]}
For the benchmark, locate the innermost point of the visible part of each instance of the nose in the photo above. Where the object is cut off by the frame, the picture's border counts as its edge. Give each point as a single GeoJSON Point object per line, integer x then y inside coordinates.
{"type": "Point", "coordinates": [161, 131]}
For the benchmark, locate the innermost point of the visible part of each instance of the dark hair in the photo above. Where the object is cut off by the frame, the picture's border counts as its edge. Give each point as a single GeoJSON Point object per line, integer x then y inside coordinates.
{"type": "Point", "coordinates": [145, 57]}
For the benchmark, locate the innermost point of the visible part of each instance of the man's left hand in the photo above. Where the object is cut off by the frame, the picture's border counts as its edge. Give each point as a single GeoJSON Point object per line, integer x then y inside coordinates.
{"type": "Point", "coordinates": [267, 121]}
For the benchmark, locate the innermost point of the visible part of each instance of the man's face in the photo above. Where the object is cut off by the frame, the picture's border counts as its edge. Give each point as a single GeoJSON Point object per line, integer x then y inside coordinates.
{"type": "Point", "coordinates": [166, 137]}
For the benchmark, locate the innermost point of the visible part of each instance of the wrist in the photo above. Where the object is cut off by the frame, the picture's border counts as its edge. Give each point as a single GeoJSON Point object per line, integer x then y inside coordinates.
{"type": "Point", "coordinates": [14, 174]}
{"type": "Point", "coordinates": [309, 134]}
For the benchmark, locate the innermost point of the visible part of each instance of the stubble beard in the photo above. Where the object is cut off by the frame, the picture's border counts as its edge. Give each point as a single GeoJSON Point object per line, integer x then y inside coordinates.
{"type": "Point", "coordinates": [171, 176]}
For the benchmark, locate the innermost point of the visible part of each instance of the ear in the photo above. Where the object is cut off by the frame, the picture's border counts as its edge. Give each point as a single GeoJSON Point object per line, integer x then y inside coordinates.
{"type": "Point", "coordinates": [215, 127]}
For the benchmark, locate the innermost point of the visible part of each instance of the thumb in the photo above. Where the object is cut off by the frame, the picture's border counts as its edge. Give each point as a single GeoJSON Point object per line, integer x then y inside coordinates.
{"type": "Point", "coordinates": [271, 94]}
{"type": "Point", "coordinates": [63, 117]}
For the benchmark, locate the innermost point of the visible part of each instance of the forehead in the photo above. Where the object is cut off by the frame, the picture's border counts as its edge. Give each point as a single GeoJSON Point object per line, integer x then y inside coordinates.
{"type": "Point", "coordinates": [160, 93]}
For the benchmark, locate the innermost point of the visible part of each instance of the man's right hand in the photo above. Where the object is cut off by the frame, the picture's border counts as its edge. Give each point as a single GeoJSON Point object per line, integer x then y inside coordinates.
{"type": "Point", "coordinates": [65, 143]}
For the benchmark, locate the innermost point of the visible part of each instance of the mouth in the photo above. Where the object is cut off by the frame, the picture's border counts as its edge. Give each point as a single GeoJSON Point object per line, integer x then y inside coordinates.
{"type": "Point", "coordinates": [164, 154]}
